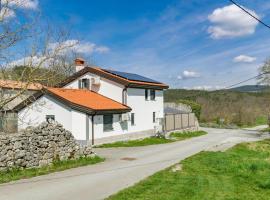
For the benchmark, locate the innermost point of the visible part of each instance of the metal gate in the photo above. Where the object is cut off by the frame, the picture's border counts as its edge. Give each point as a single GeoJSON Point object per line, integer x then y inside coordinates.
{"type": "Point", "coordinates": [179, 121]}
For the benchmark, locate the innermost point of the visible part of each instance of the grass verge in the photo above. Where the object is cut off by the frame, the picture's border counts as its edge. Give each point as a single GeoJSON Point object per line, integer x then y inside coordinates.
{"type": "Point", "coordinates": [187, 135]}
{"type": "Point", "coordinates": [16, 174]}
{"type": "Point", "coordinates": [242, 173]}
{"type": "Point", "coordinates": [176, 136]}
{"type": "Point", "coordinates": [265, 130]}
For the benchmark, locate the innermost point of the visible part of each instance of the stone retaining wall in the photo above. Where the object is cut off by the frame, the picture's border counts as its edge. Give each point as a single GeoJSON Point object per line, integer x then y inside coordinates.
{"type": "Point", "coordinates": [39, 146]}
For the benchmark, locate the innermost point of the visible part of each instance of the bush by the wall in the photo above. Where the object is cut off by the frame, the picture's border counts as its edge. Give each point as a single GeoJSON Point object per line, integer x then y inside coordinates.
{"type": "Point", "coordinates": [196, 108]}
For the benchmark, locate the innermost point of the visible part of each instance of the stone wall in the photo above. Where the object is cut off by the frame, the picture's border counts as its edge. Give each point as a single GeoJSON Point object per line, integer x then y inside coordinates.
{"type": "Point", "coordinates": [179, 106]}
{"type": "Point", "coordinates": [39, 146]}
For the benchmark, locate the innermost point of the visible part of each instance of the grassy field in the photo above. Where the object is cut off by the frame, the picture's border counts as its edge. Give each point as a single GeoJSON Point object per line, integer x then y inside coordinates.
{"type": "Point", "coordinates": [235, 108]}
{"type": "Point", "coordinates": [240, 173]}
{"type": "Point", "coordinates": [177, 136]}
{"type": "Point", "coordinates": [16, 174]}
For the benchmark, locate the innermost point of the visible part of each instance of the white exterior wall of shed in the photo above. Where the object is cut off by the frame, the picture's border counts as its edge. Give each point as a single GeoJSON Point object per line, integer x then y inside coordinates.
{"type": "Point", "coordinates": [35, 113]}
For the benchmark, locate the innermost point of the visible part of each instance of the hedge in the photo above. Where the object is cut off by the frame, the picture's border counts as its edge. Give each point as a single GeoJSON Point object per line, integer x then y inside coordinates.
{"type": "Point", "coordinates": [196, 108]}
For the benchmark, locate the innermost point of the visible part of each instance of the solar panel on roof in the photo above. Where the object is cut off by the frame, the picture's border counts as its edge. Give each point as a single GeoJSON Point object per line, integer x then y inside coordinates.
{"type": "Point", "coordinates": [131, 76]}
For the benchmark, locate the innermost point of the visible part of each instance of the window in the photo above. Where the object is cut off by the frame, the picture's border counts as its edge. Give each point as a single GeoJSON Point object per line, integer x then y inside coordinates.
{"type": "Point", "coordinates": [146, 94]}
{"type": "Point", "coordinates": [84, 83]}
{"type": "Point", "coordinates": [154, 117]}
{"type": "Point", "coordinates": [120, 117]}
{"type": "Point", "coordinates": [152, 94]}
{"type": "Point", "coordinates": [50, 118]}
{"type": "Point", "coordinates": [107, 122]}
{"type": "Point", "coordinates": [132, 119]}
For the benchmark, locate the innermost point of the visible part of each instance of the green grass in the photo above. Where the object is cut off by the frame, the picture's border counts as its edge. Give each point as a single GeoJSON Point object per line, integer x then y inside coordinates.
{"type": "Point", "coordinates": [265, 130]}
{"type": "Point", "coordinates": [261, 120]}
{"type": "Point", "coordinates": [240, 173]}
{"type": "Point", "coordinates": [136, 143]}
{"type": "Point", "coordinates": [154, 140]}
{"type": "Point", "coordinates": [16, 174]}
{"type": "Point", "coordinates": [187, 135]}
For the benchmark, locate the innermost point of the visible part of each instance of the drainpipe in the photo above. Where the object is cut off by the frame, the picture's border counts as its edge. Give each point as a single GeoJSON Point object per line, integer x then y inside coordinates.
{"type": "Point", "coordinates": [87, 128]}
{"type": "Point", "coordinates": [124, 96]}
{"type": "Point", "coordinates": [93, 129]}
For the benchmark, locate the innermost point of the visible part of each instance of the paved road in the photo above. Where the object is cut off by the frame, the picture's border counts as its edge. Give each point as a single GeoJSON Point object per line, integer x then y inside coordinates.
{"type": "Point", "coordinates": [103, 179]}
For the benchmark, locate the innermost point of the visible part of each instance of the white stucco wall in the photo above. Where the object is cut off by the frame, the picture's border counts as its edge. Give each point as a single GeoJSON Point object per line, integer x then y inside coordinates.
{"type": "Point", "coordinates": [79, 125]}
{"type": "Point", "coordinates": [144, 109]}
{"type": "Point", "coordinates": [107, 87]}
{"type": "Point", "coordinates": [118, 127]}
{"type": "Point", "coordinates": [36, 113]}
{"type": "Point", "coordinates": [71, 120]}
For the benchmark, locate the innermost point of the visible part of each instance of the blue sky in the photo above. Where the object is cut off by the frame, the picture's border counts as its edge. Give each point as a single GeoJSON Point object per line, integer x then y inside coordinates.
{"type": "Point", "coordinates": [185, 43]}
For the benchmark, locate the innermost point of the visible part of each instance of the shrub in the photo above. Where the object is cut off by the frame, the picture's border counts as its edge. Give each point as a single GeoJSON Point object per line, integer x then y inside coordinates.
{"type": "Point", "coordinates": [196, 108]}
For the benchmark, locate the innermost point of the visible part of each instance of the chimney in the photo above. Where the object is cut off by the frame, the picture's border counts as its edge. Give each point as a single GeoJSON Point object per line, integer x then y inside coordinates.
{"type": "Point", "coordinates": [79, 64]}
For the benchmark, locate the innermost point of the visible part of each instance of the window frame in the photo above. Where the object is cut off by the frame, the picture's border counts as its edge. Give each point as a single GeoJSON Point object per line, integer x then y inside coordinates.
{"type": "Point", "coordinates": [132, 119]}
{"type": "Point", "coordinates": [49, 117]}
{"type": "Point", "coordinates": [84, 83]}
{"type": "Point", "coordinates": [154, 117]}
{"type": "Point", "coordinates": [152, 95]}
{"type": "Point", "coordinates": [146, 94]}
{"type": "Point", "coordinates": [108, 126]}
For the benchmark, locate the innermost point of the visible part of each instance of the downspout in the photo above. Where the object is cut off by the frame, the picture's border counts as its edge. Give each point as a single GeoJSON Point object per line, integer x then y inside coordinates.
{"type": "Point", "coordinates": [93, 129]}
{"type": "Point", "coordinates": [124, 95]}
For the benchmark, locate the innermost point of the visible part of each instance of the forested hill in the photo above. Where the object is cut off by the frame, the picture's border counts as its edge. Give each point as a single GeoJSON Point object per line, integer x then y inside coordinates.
{"type": "Point", "coordinates": [241, 108]}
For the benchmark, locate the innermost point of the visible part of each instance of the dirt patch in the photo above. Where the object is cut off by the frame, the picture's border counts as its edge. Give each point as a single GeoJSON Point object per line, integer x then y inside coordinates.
{"type": "Point", "coordinates": [128, 159]}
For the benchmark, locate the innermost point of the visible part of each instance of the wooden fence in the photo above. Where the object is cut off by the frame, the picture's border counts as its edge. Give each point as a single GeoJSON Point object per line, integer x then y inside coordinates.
{"type": "Point", "coordinates": [179, 121]}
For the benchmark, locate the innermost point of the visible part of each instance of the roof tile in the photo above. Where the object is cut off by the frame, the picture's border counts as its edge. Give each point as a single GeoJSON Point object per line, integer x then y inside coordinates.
{"type": "Point", "coordinates": [88, 99]}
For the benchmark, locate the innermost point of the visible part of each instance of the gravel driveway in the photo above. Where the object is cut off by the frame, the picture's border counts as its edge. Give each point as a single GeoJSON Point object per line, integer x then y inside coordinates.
{"type": "Point", "coordinates": [123, 167]}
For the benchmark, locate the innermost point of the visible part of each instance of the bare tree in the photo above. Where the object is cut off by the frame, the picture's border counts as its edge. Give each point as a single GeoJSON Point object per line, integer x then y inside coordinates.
{"type": "Point", "coordinates": [264, 73]}
{"type": "Point", "coordinates": [46, 59]}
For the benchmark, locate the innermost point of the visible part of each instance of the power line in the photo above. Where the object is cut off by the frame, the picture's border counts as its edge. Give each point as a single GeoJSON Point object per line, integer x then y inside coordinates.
{"type": "Point", "coordinates": [254, 77]}
{"type": "Point", "coordinates": [250, 14]}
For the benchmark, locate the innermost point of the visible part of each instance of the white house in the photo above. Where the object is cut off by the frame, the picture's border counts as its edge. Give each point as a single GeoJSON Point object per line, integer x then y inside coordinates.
{"type": "Point", "coordinates": [98, 105]}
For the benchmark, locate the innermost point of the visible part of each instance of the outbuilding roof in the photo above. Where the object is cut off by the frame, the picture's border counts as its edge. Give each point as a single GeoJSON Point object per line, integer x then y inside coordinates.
{"type": "Point", "coordinates": [12, 84]}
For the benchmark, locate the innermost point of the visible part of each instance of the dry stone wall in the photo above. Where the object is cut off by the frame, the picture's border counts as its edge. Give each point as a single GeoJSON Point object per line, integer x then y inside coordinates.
{"type": "Point", "coordinates": [39, 146]}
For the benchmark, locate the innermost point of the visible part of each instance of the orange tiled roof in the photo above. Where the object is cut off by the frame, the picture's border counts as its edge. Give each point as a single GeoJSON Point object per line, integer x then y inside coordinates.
{"type": "Point", "coordinates": [88, 99]}
{"type": "Point", "coordinates": [11, 84]}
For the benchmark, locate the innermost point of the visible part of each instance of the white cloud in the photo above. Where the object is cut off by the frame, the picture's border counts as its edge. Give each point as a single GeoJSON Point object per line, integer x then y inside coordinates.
{"type": "Point", "coordinates": [78, 47]}
{"type": "Point", "coordinates": [57, 49]}
{"type": "Point", "coordinates": [230, 21]}
{"type": "Point", "coordinates": [188, 75]}
{"type": "Point", "coordinates": [205, 87]}
{"type": "Point", "coordinates": [6, 14]}
{"type": "Point", "coordinates": [102, 49]}
{"type": "Point", "coordinates": [9, 6]}
{"type": "Point", "coordinates": [33, 61]}
{"type": "Point", "coordinates": [244, 59]}
{"type": "Point", "coordinates": [23, 4]}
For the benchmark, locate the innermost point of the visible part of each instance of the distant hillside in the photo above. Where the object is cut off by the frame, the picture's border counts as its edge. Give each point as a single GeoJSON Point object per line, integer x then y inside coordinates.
{"type": "Point", "coordinates": [241, 108]}
{"type": "Point", "coordinates": [251, 88]}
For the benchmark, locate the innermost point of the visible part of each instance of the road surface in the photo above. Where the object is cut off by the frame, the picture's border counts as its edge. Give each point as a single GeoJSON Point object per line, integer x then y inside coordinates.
{"type": "Point", "coordinates": [123, 167]}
